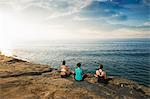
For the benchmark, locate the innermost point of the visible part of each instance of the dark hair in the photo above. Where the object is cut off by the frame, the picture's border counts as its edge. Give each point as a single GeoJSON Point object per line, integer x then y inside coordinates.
{"type": "Point", "coordinates": [63, 62]}
{"type": "Point", "coordinates": [100, 66]}
{"type": "Point", "coordinates": [78, 64]}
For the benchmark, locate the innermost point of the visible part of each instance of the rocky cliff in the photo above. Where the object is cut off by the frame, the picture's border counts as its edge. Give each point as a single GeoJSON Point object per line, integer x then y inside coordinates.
{"type": "Point", "coordinates": [24, 80]}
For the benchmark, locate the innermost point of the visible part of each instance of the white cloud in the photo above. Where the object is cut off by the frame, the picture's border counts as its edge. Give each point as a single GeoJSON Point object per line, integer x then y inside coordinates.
{"type": "Point", "coordinates": [129, 33]}
{"type": "Point", "coordinates": [102, 0]}
{"type": "Point", "coordinates": [30, 15]}
{"type": "Point", "coordinates": [59, 7]}
{"type": "Point", "coordinates": [77, 18]}
{"type": "Point", "coordinates": [146, 24]}
{"type": "Point", "coordinates": [74, 6]}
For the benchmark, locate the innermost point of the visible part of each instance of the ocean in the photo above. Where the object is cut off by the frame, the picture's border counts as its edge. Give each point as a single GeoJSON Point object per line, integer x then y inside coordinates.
{"type": "Point", "coordinates": [127, 58]}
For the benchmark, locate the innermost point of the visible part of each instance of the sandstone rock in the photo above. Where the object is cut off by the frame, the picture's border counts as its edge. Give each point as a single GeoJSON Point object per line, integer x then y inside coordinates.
{"type": "Point", "coordinates": [24, 80]}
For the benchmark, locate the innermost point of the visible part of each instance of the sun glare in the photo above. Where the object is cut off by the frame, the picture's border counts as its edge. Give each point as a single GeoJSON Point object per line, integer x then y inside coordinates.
{"type": "Point", "coordinates": [5, 47]}
{"type": "Point", "coordinates": [5, 43]}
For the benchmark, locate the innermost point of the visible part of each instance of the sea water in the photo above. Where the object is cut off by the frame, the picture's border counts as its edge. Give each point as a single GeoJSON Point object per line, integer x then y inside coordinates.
{"type": "Point", "coordinates": [127, 58]}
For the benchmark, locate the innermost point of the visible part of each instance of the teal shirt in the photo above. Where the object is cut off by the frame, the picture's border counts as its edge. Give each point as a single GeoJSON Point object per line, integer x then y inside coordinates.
{"type": "Point", "coordinates": [78, 74]}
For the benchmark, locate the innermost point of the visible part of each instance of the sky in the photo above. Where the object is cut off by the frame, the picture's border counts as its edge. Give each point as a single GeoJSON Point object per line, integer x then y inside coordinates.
{"type": "Point", "coordinates": [73, 19]}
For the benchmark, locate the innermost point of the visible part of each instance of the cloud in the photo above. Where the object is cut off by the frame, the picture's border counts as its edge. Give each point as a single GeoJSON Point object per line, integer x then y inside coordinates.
{"type": "Point", "coordinates": [132, 2]}
{"type": "Point", "coordinates": [127, 1]}
{"type": "Point", "coordinates": [73, 6]}
{"type": "Point", "coordinates": [77, 18]}
{"type": "Point", "coordinates": [130, 33]}
{"type": "Point", "coordinates": [17, 5]}
{"type": "Point", "coordinates": [87, 8]}
{"type": "Point", "coordinates": [104, 10]}
{"type": "Point", "coordinates": [118, 17]}
{"type": "Point", "coordinates": [116, 33]}
{"type": "Point", "coordinates": [146, 2]}
{"type": "Point", "coordinates": [141, 27]}
{"type": "Point", "coordinates": [146, 24]}
{"type": "Point", "coordinates": [117, 11]}
{"type": "Point", "coordinates": [59, 7]}
{"type": "Point", "coordinates": [88, 16]}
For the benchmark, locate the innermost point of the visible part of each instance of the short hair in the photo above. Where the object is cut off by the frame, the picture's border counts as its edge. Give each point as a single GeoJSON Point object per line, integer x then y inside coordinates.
{"type": "Point", "coordinates": [78, 64]}
{"type": "Point", "coordinates": [63, 62]}
{"type": "Point", "coordinates": [100, 66]}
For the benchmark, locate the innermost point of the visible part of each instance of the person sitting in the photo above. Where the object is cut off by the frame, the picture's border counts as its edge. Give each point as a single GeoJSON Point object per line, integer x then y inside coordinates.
{"type": "Point", "coordinates": [101, 75]}
{"type": "Point", "coordinates": [79, 76]}
{"type": "Point", "coordinates": [64, 70]}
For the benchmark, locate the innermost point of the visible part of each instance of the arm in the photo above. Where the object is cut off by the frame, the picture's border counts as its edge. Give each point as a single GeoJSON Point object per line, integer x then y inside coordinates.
{"type": "Point", "coordinates": [97, 73]}
{"type": "Point", "coordinates": [103, 74]}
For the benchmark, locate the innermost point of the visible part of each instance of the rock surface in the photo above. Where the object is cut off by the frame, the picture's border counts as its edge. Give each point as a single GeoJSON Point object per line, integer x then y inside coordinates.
{"type": "Point", "coordinates": [24, 80]}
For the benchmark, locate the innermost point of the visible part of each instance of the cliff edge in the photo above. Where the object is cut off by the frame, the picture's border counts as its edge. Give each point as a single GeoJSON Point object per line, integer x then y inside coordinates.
{"type": "Point", "coordinates": [24, 80]}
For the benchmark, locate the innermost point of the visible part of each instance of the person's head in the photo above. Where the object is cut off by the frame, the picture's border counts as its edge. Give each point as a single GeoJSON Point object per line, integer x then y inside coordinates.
{"type": "Point", "coordinates": [78, 64]}
{"type": "Point", "coordinates": [63, 62]}
{"type": "Point", "coordinates": [100, 66]}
